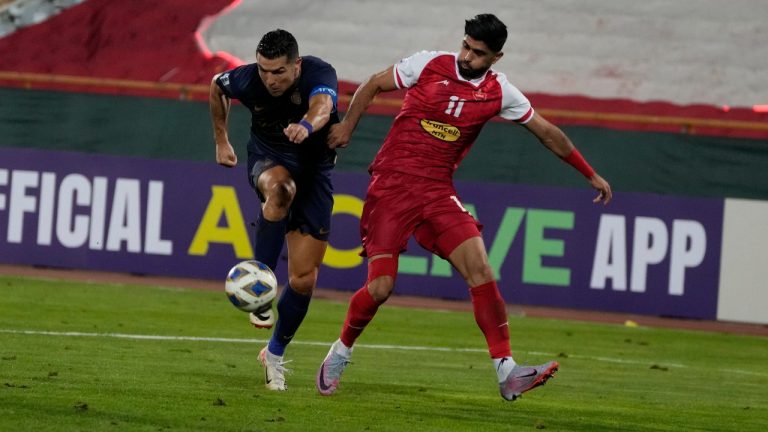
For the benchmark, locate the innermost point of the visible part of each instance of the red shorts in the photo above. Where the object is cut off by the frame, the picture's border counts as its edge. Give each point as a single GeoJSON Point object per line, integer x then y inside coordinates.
{"type": "Point", "coordinates": [398, 205]}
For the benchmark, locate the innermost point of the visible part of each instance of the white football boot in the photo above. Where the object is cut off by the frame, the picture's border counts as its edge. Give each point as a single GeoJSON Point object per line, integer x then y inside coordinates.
{"type": "Point", "coordinates": [263, 318]}
{"type": "Point", "coordinates": [274, 370]}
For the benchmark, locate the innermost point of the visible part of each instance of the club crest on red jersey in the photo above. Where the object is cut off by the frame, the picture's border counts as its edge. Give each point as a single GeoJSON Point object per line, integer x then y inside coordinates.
{"type": "Point", "coordinates": [479, 95]}
{"type": "Point", "coordinates": [442, 131]}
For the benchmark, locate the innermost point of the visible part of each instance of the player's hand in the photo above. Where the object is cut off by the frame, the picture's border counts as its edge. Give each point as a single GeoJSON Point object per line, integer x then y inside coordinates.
{"type": "Point", "coordinates": [296, 133]}
{"type": "Point", "coordinates": [225, 155]}
{"type": "Point", "coordinates": [603, 187]}
{"type": "Point", "coordinates": [339, 136]}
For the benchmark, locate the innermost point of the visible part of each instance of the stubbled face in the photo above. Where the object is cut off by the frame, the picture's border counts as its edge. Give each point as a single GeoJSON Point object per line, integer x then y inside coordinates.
{"type": "Point", "coordinates": [278, 74]}
{"type": "Point", "coordinates": [475, 58]}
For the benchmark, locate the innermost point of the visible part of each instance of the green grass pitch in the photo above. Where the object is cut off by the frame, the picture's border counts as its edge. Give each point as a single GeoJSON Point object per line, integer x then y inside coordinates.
{"type": "Point", "coordinates": [105, 357]}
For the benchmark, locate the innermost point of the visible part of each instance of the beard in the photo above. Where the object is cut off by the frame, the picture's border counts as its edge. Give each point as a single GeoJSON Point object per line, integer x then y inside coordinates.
{"type": "Point", "coordinates": [469, 73]}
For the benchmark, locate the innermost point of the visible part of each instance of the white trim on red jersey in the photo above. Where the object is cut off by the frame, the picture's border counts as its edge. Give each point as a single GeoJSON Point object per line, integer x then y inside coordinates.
{"type": "Point", "coordinates": [408, 70]}
{"type": "Point", "coordinates": [514, 105]}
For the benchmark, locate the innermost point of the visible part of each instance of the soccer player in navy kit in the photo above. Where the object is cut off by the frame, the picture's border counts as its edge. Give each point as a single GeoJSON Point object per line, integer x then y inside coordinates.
{"type": "Point", "coordinates": [292, 101]}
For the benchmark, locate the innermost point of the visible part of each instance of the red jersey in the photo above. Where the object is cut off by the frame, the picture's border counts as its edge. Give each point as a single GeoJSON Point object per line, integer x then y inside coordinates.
{"type": "Point", "coordinates": [442, 114]}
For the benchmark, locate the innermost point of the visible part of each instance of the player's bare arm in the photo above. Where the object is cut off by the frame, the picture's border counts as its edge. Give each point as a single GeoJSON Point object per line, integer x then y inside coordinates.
{"type": "Point", "coordinates": [220, 105]}
{"type": "Point", "coordinates": [320, 108]}
{"type": "Point", "coordinates": [340, 133]}
{"type": "Point", "coordinates": [553, 138]}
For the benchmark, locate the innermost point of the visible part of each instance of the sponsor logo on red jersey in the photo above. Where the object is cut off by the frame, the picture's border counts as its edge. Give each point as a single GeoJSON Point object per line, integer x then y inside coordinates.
{"type": "Point", "coordinates": [442, 131]}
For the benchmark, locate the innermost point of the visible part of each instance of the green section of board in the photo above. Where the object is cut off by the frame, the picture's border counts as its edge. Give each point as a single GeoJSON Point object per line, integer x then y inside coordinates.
{"type": "Point", "coordinates": [169, 129]}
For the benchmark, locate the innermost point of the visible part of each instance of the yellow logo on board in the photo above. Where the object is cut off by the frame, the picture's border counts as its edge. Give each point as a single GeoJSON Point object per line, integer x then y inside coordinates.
{"type": "Point", "coordinates": [443, 131]}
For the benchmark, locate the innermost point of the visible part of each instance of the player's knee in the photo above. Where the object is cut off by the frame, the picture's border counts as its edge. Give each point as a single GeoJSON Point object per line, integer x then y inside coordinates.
{"type": "Point", "coordinates": [479, 273]}
{"type": "Point", "coordinates": [381, 288]}
{"type": "Point", "coordinates": [382, 272]}
{"type": "Point", "coordinates": [303, 282]}
{"type": "Point", "coordinates": [278, 199]}
{"type": "Point", "coordinates": [282, 193]}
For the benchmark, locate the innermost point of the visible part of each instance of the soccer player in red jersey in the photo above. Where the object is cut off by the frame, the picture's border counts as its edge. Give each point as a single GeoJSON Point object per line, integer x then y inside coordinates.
{"type": "Point", "coordinates": [449, 99]}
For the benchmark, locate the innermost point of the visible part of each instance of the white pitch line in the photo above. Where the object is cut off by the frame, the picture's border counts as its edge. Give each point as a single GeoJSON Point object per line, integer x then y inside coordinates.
{"type": "Point", "coordinates": [739, 371]}
{"type": "Point", "coordinates": [228, 340]}
{"type": "Point", "coordinates": [132, 336]}
{"type": "Point", "coordinates": [325, 344]}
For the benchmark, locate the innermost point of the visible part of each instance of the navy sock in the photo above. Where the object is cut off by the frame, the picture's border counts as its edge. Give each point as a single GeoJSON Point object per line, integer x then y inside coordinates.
{"type": "Point", "coordinates": [291, 310]}
{"type": "Point", "coordinates": [270, 236]}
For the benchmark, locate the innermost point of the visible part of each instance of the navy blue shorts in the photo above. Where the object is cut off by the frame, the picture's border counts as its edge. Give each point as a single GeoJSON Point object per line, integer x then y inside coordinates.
{"type": "Point", "coordinates": [311, 209]}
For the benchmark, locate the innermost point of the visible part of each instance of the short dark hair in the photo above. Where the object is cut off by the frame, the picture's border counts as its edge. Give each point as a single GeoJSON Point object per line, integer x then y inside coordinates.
{"type": "Point", "coordinates": [487, 28]}
{"type": "Point", "coordinates": [278, 43]}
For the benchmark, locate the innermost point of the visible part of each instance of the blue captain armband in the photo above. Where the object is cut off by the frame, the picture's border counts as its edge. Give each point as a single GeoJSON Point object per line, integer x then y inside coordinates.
{"type": "Point", "coordinates": [325, 90]}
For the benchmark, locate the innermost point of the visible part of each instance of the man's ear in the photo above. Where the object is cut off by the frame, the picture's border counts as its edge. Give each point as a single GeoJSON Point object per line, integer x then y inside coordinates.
{"type": "Point", "coordinates": [497, 57]}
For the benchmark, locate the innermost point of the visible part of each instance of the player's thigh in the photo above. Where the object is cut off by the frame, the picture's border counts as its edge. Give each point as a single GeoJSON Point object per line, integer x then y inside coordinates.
{"type": "Point", "coordinates": [391, 212]}
{"type": "Point", "coordinates": [304, 252]}
{"type": "Point", "coordinates": [446, 225]}
{"type": "Point", "coordinates": [312, 207]}
{"type": "Point", "coordinates": [470, 259]}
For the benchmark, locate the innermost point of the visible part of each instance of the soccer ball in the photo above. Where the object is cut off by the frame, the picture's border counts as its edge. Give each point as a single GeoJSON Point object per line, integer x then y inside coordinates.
{"type": "Point", "coordinates": [251, 286]}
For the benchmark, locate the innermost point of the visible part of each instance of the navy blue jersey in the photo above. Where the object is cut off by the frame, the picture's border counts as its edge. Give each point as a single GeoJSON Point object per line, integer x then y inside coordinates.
{"type": "Point", "coordinates": [270, 114]}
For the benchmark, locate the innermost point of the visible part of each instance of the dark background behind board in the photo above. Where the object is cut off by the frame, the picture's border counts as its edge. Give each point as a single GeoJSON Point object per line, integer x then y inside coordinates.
{"type": "Point", "coordinates": [678, 164]}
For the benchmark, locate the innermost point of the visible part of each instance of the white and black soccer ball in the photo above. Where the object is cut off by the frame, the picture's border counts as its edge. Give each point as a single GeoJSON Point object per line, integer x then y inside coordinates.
{"type": "Point", "coordinates": [250, 285]}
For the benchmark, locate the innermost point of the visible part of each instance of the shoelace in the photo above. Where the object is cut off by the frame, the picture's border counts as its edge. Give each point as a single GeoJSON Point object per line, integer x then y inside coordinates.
{"type": "Point", "coordinates": [279, 371]}
{"type": "Point", "coordinates": [279, 366]}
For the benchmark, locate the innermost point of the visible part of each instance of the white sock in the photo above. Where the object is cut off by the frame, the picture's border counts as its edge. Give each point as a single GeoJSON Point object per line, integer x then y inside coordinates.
{"type": "Point", "coordinates": [273, 358]}
{"type": "Point", "coordinates": [503, 367]}
{"type": "Point", "coordinates": [341, 349]}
